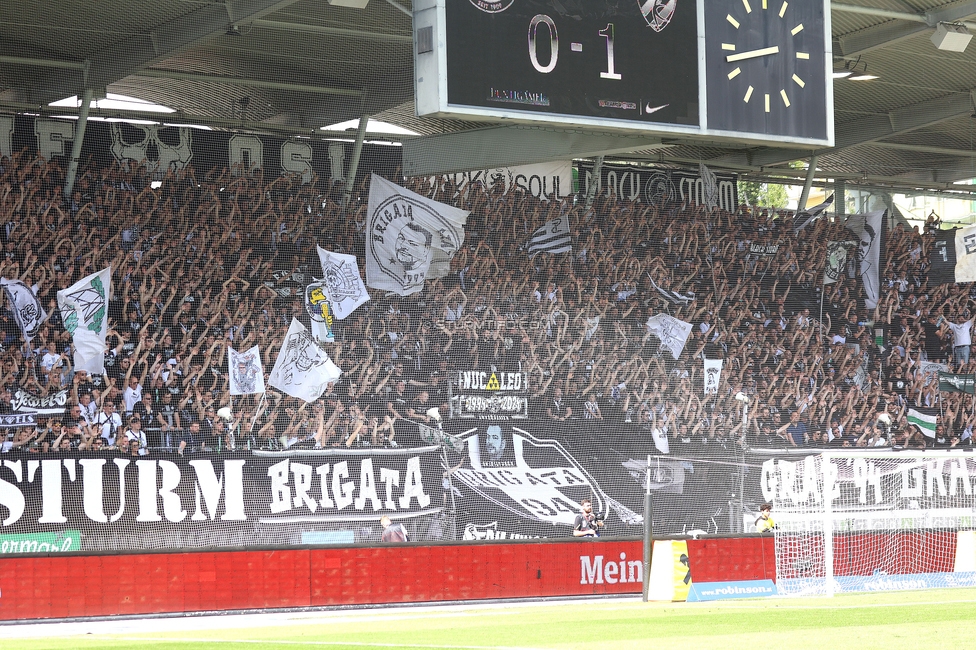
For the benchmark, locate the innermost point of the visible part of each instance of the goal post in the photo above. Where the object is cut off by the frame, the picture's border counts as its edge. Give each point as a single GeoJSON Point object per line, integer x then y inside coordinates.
{"type": "Point", "coordinates": [870, 520]}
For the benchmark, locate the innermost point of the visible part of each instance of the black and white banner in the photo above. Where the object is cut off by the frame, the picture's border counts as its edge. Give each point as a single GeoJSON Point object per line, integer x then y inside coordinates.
{"type": "Point", "coordinates": [764, 250]}
{"type": "Point", "coordinates": [954, 256]}
{"type": "Point", "coordinates": [54, 404]}
{"type": "Point", "coordinates": [173, 148]}
{"type": "Point", "coordinates": [302, 369]}
{"type": "Point", "coordinates": [836, 259]}
{"type": "Point", "coordinates": [542, 180]}
{"type": "Point", "coordinates": [658, 186]}
{"type": "Point", "coordinates": [343, 285]}
{"type": "Point", "coordinates": [490, 395]}
{"type": "Point", "coordinates": [713, 375]}
{"type": "Point", "coordinates": [870, 228]}
{"type": "Point", "coordinates": [804, 218]}
{"type": "Point", "coordinates": [103, 494]}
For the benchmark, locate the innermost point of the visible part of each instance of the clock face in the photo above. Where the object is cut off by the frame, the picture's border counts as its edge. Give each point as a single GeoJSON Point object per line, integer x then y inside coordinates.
{"type": "Point", "coordinates": [766, 69]}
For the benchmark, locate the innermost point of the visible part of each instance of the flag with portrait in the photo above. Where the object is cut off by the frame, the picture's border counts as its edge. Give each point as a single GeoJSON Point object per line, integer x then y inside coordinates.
{"type": "Point", "coordinates": [673, 333]}
{"type": "Point", "coordinates": [302, 369]}
{"type": "Point", "coordinates": [408, 237]}
{"type": "Point", "coordinates": [245, 371]}
{"type": "Point", "coordinates": [713, 375]}
{"type": "Point", "coordinates": [342, 283]}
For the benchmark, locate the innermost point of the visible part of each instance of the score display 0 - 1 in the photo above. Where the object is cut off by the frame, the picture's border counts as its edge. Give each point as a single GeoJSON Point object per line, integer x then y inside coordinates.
{"type": "Point", "coordinates": [654, 66]}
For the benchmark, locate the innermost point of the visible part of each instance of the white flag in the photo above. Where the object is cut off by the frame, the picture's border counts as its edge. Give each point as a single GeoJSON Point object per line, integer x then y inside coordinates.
{"type": "Point", "coordinates": [660, 437]}
{"type": "Point", "coordinates": [554, 237]}
{"type": "Point", "coordinates": [709, 186]}
{"type": "Point", "coordinates": [27, 309]}
{"type": "Point", "coordinates": [84, 310]}
{"type": "Point", "coordinates": [713, 374]}
{"type": "Point", "coordinates": [672, 332]}
{"type": "Point", "coordinates": [302, 369]}
{"type": "Point", "coordinates": [870, 228]}
{"type": "Point", "coordinates": [405, 234]}
{"type": "Point", "coordinates": [245, 371]}
{"type": "Point", "coordinates": [344, 286]}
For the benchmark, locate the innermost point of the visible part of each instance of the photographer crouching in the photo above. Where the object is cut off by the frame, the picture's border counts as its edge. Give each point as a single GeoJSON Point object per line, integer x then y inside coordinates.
{"type": "Point", "coordinates": [586, 524]}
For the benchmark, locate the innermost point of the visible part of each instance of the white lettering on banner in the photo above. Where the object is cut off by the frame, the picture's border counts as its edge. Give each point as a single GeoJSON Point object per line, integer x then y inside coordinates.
{"type": "Point", "coordinates": [802, 482]}
{"type": "Point", "coordinates": [10, 497]}
{"type": "Point", "coordinates": [490, 532]}
{"type": "Point", "coordinates": [342, 489]}
{"type": "Point", "coordinates": [540, 181]}
{"type": "Point", "coordinates": [296, 158]}
{"type": "Point", "coordinates": [692, 190]}
{"type": "Point", "coordinates": [51, 136]}
{"type": "Point", "coordinates": [280, 492]}
{"type": "Point", "coordinates": [24, 401]}
{"type": "Point", "coordinates": [325, 501]}
{"type": "Point", "coordinates": [51, 506]}
{"type": "Point", "coordinates": [148, 491]}
{"type": "Point", "coordinates": [245, 153]}
{"type": "Point", "coordinates": [367, 487]}
{"type": "Point", "coordinates": [495, 381]}
{"type": "Point", "coordinates": [593, 571]}
{"type": "Point", "coordinates": [210, 486]}
{"type": "Point", "coordinates": [292, 485]}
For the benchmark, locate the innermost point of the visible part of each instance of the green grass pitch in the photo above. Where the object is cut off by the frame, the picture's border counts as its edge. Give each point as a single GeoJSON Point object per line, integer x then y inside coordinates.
{"type": "Point", "coordinates": [940, 619]}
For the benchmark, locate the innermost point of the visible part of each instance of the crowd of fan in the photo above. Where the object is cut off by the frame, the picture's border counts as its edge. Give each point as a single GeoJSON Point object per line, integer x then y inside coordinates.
{"type": "Point", "coordinates": [209, 260]}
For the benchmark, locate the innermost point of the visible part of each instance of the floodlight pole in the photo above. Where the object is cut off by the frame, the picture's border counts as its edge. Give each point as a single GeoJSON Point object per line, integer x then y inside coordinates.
{"type": "Point", "coordinates": [69, 177]}
{"type": "Point", "coordinates": [811, 171]}
{"type": "Point", "coordinates": [648, 533]}
{"type": "Point", "coordinates": [357, 151]}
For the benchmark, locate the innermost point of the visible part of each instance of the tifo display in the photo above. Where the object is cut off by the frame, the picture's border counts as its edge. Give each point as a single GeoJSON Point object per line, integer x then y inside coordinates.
{"type": "Point", "coordinates": [219, 355]}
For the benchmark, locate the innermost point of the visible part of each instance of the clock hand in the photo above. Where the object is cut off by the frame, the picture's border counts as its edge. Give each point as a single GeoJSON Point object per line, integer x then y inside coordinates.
{"type": "Point", "coordinates": [753, 54]}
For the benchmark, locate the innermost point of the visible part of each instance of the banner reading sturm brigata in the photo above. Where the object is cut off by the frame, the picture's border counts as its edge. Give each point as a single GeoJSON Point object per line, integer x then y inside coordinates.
{"type": "Point", "coordinates": [227, 498]}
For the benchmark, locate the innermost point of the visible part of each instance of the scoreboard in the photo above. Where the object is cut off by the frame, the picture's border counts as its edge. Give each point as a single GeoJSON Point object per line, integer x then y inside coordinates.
{"type": "Point", "coordinates": [754, 70]}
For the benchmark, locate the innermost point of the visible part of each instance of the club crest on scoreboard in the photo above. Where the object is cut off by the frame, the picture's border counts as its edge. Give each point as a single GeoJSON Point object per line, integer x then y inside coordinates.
{"type": "Point", "coordinates": [492, 6]}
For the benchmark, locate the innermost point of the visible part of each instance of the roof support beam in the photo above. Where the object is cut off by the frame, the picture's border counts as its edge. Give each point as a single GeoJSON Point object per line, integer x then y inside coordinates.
{"type": "Point", "coordinates": [868, 129]}
{"type": "Point", "coordinates": [245, 81]}
{"type": "Point", "coordinates": [333, 31]}
{"type": "Point", "coordinates": [143, 50]}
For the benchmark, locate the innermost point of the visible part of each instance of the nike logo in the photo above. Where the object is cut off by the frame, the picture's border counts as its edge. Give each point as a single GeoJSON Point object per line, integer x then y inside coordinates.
{"type": "Point", "coordinates": [648, 109]}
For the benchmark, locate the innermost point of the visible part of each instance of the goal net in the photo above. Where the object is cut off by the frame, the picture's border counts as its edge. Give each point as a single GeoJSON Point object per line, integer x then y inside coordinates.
{"type": "Point", "coordinates": [873, 521]}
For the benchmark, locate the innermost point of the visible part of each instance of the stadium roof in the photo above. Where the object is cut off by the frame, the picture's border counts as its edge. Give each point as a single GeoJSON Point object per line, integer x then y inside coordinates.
{"type": "Point", "coordinates": [291, 67]}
